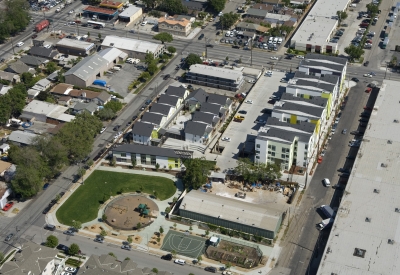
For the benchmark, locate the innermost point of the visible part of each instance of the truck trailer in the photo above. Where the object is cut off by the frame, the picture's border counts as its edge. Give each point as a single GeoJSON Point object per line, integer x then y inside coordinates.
{"type": "Point", "coordinates": [325, 224]}
{"type": "Point", "coordinates": [41, 25]}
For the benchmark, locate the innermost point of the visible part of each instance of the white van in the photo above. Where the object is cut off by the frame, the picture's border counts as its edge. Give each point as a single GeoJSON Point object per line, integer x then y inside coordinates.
{"type": "Point", "coordinates": [327, 183]}
{"type": "Point", "coordinates": [353, 5]}
{"type": "Point", "coordinates": [270, 40]}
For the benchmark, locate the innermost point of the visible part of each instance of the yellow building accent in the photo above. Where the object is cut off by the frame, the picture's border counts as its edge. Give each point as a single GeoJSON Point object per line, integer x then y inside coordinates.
{"type": "Point", "coordinates": [293, 119]}
{"type": "Point", "coordinates": [171, 162]}
{"type": "Point", "coordinates": [306, 96]}
{"type": "Point", "coordinates": [154, 134]}
{"type": "Point", "coordinates": [317, 125]}
{"type": "Point", "coordinates": [111, 4]}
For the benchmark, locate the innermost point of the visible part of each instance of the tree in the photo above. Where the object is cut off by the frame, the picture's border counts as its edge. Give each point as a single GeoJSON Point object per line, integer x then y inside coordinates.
{"type": "Point", "coordinates": [127, 259]}
{"type": "Point", "coordinates": [57, 198]}
{"type": "Point", "coordinates": [199, 258]}
{"type": "Point", "coordinates": [171, 49]}
{"type": "Point", "coordinates": [151, 4]}
{"type": "Point", "coordinates": [104, 217]}
{"type": "Point", "coordinates": [152, 68]}
{"type": "Point", "coordinates": [373, 9]}
{"type": "Point", "coordinates": [229, 19]}
{"type": "Point", "coordinates": [139, 225]}
{"type": "Point", "coordinates": [354, 52]}
{"type": "Point", "coordinates": [173, 252]}
{"type": "Point", "coordinates": [155, 194]}
{"type": "Point", "coordinates": [88, 34]}
{"type": "Point", "coordinates": [18, 95]}
{"type": "Point", "coordinates": [228, 265]}
{"type": "Point", "coordinates": [133, 161]}
{"type": "Point", "coordinates": [1, 257]}
{"type": "Point", "coordinates": [14, 18]}
{"type": "Point", "coordinates": [192, 59]}
{"type": "Point", "coordinates": [51, 241]}
{"type": "Point", "coordinates": [90, 162]}
{"type": "Point", "coordinates": [154, 270]}
{"type": "Point", "coordinates": [73, 249]}
{"type": "Point", "coordinates": [217, 5]}
{"type": "Point", "coordinates": [99, 36]}
{"type": "Point", "coordinates": [164, 37]}
{"type": "Point", "coordinates": [190, 228]}
{"type": "Point", "coordinates": [167, 209]}
{"type": "Point", "coordinates": [105, 114]}
{"type": "Point", "coordinates": [175, 225]}
{"type": "Point", "coordinates": [129, 239]}
{"type": "Point", "coordinates": [103, 233]}
{"type": "Point", "coordinates": [51, 67]}
{"type": "Point", "coordinates": [161, 230]}
{"type": "Point", "coordinates": [207, 232]}
{"type": "Point", "coordinates": [114, 105]}
{"type": "Point", "coordinates": [342, 15]}
{"type": "Point", "coordinates": [149, 58]}
{"type": "Point", "coordinates": [5, 108]}
{"type": "Point", "coordinates": [173, 7]}
{"type": "Point", "coordinates": [174, 199]}
{"type": "Point", "coordinates": [81, 172]}
{"type": "Point", "coordinates": [286, 2]}
{"type": "Point", "coordinates": [112, 254]}
{"type": "Point", "coordinates": [144, 76]}
{"type": "Point", "coordinates": [76, 225]}
{"type": "Point", "coordinates": [196, 173]}
{"type": "Point", "coordinates": [245, 168]}
{"type": "Point", "coordinates": [157, 166]}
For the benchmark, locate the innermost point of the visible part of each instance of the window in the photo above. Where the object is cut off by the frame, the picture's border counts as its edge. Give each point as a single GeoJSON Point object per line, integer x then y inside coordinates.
{"type": "Point", "coordinates": [285, 119]}
{"type": "Point", "coordinates": [283, 156]}
{"type": "Point", "coordinates": [273, 148]}
{"type": "Point", "coordinates": [257, 152]}
{"type": "Point", "coordinates": [306, 147]}
{"type": "Point", "coordinates": [273, 154]}
{"type": "Point", "coordinates": [257, 157]}
{"type": "Point", "coordinates": [153, 160]}
{"type": "Point", "coordinates": [143, 159]}
{"type": "Point", "coordinates": [257, 145]}
{"type": "Point", "coordinates": [123, 155]}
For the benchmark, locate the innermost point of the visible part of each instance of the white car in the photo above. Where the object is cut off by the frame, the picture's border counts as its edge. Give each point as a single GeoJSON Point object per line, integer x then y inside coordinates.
{"type": "Point", "coordinates": [220, 13]}
{"type": "Point", "coordinates": [144, 23]}
{"type": "Point", "coordinates": [268, 73]}
{"type": "Point", "coordinates": [71, 11]}
{"type": "Point", "coordinates": [249, 101]}
{"type": "Point", "coordinates": [284, 80]}
{"type": "Point", "coordinates": [180, 261]}
{"type": "Point", "coordinates": [47, 46]}
{"type": "Point", "coordinates": [65, 273]}
{"type": "Point", "coordinates": [20, 44]}
{"type": "Point", "coordinates": [226, 139]}
{"type": "Point", "coordinates": [367, 75]}
{"type": "Point", "coordinates": [226, 272]}
{"type": "Point", "coordinates": [103, 129]}
{"type": "Point", "coordinates": [274, 58]}
{"type": "Point", "coordinates": [69, 269]}
{"type": "Point", "coordinates": [300, 56]}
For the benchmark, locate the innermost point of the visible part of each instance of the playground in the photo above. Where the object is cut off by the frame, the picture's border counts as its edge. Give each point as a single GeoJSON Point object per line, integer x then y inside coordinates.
{"type": "Point", "coordinates": [184, 244]}
{"type": "Point", "coordinates": [126, 212]}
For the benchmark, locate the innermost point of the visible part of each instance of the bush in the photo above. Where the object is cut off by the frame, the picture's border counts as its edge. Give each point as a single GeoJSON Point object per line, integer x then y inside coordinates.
{"type": "Point", "coordinates": [73, 249]}
{"type": "Point", "coordinates": [52, 241]}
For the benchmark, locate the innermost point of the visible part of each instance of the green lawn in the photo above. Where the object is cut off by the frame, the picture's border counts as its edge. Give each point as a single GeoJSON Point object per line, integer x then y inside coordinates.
{"type": "Point", "coordinates": [84, 203]}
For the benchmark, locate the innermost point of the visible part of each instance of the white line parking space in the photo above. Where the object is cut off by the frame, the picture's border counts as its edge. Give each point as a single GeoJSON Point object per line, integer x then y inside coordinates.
{"type": "Point", "coordinates": [244, 133]}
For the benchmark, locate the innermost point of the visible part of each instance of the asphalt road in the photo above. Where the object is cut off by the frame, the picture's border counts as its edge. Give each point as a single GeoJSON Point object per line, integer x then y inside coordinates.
{"type": "Point", "coordinates": [303, 243]}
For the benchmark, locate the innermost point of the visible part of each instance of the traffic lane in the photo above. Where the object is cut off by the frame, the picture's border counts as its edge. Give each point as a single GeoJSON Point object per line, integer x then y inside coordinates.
{"type": "Point", "coordinates": [143, 259]}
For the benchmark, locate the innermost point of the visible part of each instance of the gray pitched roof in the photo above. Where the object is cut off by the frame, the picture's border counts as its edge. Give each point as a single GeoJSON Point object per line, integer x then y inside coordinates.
{"type": "Point", "coordinates": [274, 122]}
{"type": "Point", "coordinates": [200, 95]}
{"type": "Point", "coordinates": [43, 52]}
{"type": "Point", "coordinates": [286, 107]}
{"type": "Point", "coordinates": [91, 107]}
{"type": "Point", "coordinates": [284, 134]}
{"type": "Point", "coordinates": [146, 150]}
{"type": "Point", "coordinates": [210, 108]}
{"type": "Point", "coordinates": [104, 96]}
{"type": "Point", "coordinates": [334, 59]}
{"type": "Point", "coordinates": [316, 100]}
{"type": "Point", "coordinates": [88, 66]}
{"type": "Point", "coordinates": [330, 78]}
{"type": "Point", "coordinates": [32, 60]}
{"type": "Point", "coordinates": [143, 129]}
{"type": "Point", "coordinates": [152, 118]}
{"type": "Point", "coordinates": [160, 108]}
{"type": "Point", "coordinates": [203, 117]}
{"type": "Point", "coordinates": [168, 99]}
{"type": "Point", "coordinates": [18, 67]}
{"type": "Point", "coordinates": [257, 12]}
{"type": "Point", "coordinates": [22, 137]}
{"type": "Point", "coordinates": [32, 257]}
{"type": "Point", "coordinates": [176, 91]}
{"type": "Point", "coordinates": [195, 128]}
{"type": "Point", "coordinates": [194, 4]}
{"type": "Point", "coordinates": [218, 99]}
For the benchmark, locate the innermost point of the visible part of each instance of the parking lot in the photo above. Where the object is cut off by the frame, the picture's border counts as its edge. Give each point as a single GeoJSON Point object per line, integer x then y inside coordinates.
{"type": "Point", "coordinates": [242, 134]}
{"type": "Point", "coordinates": [235, 39]}
{"type": "Point", "coordinates": [119, 80]}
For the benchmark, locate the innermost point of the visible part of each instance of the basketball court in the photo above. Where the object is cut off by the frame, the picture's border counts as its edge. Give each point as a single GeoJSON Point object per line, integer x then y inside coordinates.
{"type": "Point", "coordinates": [184, 244]}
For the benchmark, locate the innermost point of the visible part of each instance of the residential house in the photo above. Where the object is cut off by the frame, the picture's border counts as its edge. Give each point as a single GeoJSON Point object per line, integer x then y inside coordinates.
{"type": "Point", "coordinates": [64, 100]}
{"type": "Point", "coordinates": [43, 52]}
{"type": "Point", "coordinates": [32, 258]}
{"type": "Point", "coordinates": [263, 6]}
{"type": "Point", "coordinates": [177, 91]}
{"type": "Point", "coordinates": [17, 67]}
{"type": "Point", "coordinates": [173, 101]}
{"type": "Point", "coordinates": [162, 109]}
{"type": "Point", "coordinates": [259, 13]}
{"type": "Point", "coordinates": [113, 55]}
{"type": "Point", "coordinates": [45, 112]}
{"type": "Point", "coordinates": [195, 99]}
{"type": "Point", "coordinates": [4, 89]}
{"type": "Point", "coordinates": [42, 85]}
{"type": "Point", "coordinates": [147, 156]}
{"type": "Point", "coordinates": [214, 109]}
{"type": "Point", "coordinates": [174, 26]}
{"type": "Point", "coordinates": [80, 107]}
{"type": "Point", "coordinates": [277, 19]}
{"type": "Point", "coordinates": [207, 118]}
{"type": "Point", "coordinates": [91, 96]}
{"type": "Point", "coordinates": [272, 2]}
{"type": "Point", "coordinates": [62, 89]}
{"type": "Point", "coordinates": [102, 98]}
{"type": "Point", "coordinates": [5, 192]}
{"type": "Point", "coordinates": [249, 27]}
{"type": "Point", "coordinates": [157, 120]}
{"type": "Point", "coordinates": [11, 77]}
{"type": "Point", "coordinates": [32, 61]}
{"type": "Point", "coordinates": [4, 166]}
{"type": "Point", "coordinates": [222, 100]}
{"type": "Point", "coordinates": [142, 133]}
{"type": "Point", "coordinates": [21, 138]}
{"type": "Point", "coordinates": [53, 77]}
{"type": "Point", "coordinates": [32, 93]}
{"type": "Point", "coordinates": [195, 5]}
{"type": "Point", "coordinates": [285, 143]}
{"type": "Point", "coordinates": [197, 132]}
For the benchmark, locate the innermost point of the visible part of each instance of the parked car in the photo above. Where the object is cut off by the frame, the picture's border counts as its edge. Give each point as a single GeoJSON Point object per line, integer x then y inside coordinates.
{"type": "Point", "coordinates": [70, 269]}
{"type": "Point", "coordinates": [8, 206]}
{"type": "Point", "coordinates": [126, 247]}
{"type": "Point", "coordinates": [167, 257]}
{"type": "Point", "coordinates": [9, 237]}
{"type": "Point", "coordinates": [210, 269]}
{"type": "Point", "coordinates": [226, 139]}
{"type": "Point", "coordinates": [201, 36]}
{"type": "Point", "coordinates": [46, 185]}
{"type": "Point", "coordinates": [69, 233]}
{"type": "Point", "coordinates": [242, 112]}
{"type": "Point", "coordinates": [99, 239]}
{"type": "Point", "coordinates": [355, 79]}
{"type": "Point", "coordinates": [166, 76]}
{"type": "Point", "coordinates": [180, 261]}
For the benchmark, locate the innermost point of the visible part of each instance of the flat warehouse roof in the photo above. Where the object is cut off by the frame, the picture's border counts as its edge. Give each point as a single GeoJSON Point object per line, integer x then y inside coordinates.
{"type": "Point", "coordinates": [130, 11]}
{"type": "Point", "coordinates": [216, 72]}
{"type": "Point", "coordinates": [366, 232]}
{"type": "Point", "coordinates": [77, 44]}
{"type": "Point", "coordinates": [130, 44]}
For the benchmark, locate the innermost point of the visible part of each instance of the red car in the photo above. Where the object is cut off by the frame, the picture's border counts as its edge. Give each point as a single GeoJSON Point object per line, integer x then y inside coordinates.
{"type": "Point", "coordinates": [368, 90]}
{"type": "Point", "coordinates": [8, 206]}
{"type": "Point", "coordinates": [319, 159]}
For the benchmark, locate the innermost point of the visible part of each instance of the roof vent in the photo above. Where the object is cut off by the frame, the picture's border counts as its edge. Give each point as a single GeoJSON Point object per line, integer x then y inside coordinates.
{"type": "Point", "coordinates": [111, 44]}
{"type": "Point", "coordinates": [359, 252]}
{"type": "Point", "coordinates": [390, 241]}
{"type": "Point", "coordinates": [368, 219]}
{"type": "Point", "coordinates": [383, 165]}
{"type": "Point", "coordinates": [376, 191]}
{"type": "Point", "coordinates": [396, 121]}
{"type": "Point", "coordinates": [389, 141]}
{"type": "Point", "coordinates": [397, 210]}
